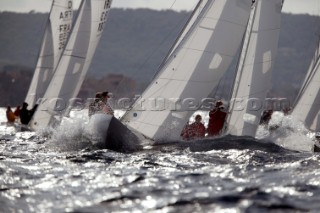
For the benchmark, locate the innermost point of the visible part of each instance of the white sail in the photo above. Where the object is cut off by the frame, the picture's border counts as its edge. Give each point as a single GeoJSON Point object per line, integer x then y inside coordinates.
{"type": "Point", "coordinates": [254, 72]}
{"type": "Point", "coordinates": [192, 70]}
{"type": "Point", "coordinates": [74, 62]}
{"type": "Point", "coordinates": [307, 106]}
{"type": "Point", "coordinates": [196, 12]}
{"type": "Point", "coordinates": [55, 37]}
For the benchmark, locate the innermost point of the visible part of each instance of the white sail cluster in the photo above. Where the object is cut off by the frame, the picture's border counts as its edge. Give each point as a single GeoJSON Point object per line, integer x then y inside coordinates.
{"type": "Point", "coordinates": [74, 63]}
{"type": "Point", "coordinates": [55, 37]}
{"type": "Point", "coordinates": [207, 46]}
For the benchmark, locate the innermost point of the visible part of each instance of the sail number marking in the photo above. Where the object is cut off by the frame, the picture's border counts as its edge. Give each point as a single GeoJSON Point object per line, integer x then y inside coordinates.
{"type": "Point", "coordinates": [104, 14]}
{"type": "Point", "coordinates": [64, 29]}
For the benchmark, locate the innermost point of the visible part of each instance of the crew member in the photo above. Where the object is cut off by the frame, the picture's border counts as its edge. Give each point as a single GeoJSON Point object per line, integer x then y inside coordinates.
{"type": "Point", "coordinates": [10, 115]}
{"type": "Point", "coordinates": [195, 130]}
{"type": "Point", "coordinates": [216, 120]}
{"type": "Point", "coordinates": [94, 106]}
{"type": "Point", "coordinates": [25, 114]}
{"type": "Point", "coordinates": [104, 105]}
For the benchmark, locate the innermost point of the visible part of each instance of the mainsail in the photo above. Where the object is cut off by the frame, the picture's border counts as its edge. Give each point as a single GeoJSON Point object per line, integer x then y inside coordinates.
{"type": "Point", "coordinates": [192, 70]}
{"type": "Point", "coordinates": [307, 106]}
{"type": "Point", "coordinates": [55, 37]}
{"type": "Point", "coordinates": [253, 78]}
{"type": "Point", "coordinates": [74, 63]}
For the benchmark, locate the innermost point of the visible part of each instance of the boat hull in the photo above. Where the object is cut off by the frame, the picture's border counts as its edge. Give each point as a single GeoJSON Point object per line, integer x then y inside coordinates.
{"type": "Point", "coordinates": [107, 132]}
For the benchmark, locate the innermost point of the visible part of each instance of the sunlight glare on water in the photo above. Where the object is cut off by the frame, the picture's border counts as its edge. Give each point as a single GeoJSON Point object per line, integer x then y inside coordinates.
{"type": "Point", "coordinates": [61, 171]}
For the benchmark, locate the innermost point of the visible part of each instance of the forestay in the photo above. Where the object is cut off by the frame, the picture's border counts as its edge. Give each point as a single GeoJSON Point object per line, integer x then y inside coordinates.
{"type": "Point", "coordinates": [253, 79]}
{"type": "Point", "coordinates": [307, 106]}
{"type": "Point", "coordinates": [197, 10]}
{"type": "Point", "coordinates": [56, 33]}
{"type": "Point", "coordinates": [74, 62]}
{"type": "Point", "coordinates": [192, 70]}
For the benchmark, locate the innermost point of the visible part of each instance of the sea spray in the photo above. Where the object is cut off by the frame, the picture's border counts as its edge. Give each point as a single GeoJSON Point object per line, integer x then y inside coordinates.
{"type": "Point", "coordinates": [69, 136]}
{"type": "Point", "coordinates": [97, 128]}
{"type": "Point", "coordinates": [287, 132]}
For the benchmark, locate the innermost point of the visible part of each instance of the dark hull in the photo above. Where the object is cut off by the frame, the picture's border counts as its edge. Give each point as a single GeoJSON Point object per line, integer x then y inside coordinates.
{"type": "Point", "coordinates": [119, 138]}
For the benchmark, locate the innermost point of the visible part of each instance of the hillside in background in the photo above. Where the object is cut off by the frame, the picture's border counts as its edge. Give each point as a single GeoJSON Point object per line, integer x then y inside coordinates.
{"type": "Point", "coordinates": [132, 47]}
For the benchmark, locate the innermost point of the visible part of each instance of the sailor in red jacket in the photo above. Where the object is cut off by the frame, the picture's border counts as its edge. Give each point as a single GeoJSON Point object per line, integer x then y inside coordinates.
{"type": "Point", "coordinates": [216, 120]}
{"type": "Point", "coordinates": [195, 130]}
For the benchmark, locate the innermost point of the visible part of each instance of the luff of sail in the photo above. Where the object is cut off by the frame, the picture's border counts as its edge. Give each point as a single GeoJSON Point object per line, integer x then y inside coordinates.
{"type": "Point", "coordinates": [74, 63]}
{"type": "Point", "coordinates": [197, 11]}
{"type": "Point", "coordinates": [307, 106]}
{"type": "Point", "coordinates": [192, 70]}
{"type": "Point", "coordinates": [57, 31]}
{"type": "Point", "coordinates": [254, 73]}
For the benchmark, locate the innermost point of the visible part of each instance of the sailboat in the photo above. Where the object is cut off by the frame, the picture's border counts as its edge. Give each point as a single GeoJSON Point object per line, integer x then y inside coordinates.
{"type": "Point", "coordinates": [307, 105]}
{"type": "Point", "coordinates": [57, 31]}
{"type": "Point", "coordinates": [73, 65]}
{"type": "Point", "coordinates": [199, 59]}
{"type": "Point", "coordinates": [192, 69]}
{"type": "Point", "coordinates": [253, 76]}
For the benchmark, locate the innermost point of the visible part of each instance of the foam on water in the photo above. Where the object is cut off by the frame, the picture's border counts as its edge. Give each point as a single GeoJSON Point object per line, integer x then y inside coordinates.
{"type": "Point", "coordinates": [287, 132]}
{"type": "Point", "coordinates": [68, 136]}
{"type": "Point", "coordinates": [77, 132]}
{"type": "Point", "coordinates": [97, 128]}
{"type": "Point", "coordinates": [225, 174]}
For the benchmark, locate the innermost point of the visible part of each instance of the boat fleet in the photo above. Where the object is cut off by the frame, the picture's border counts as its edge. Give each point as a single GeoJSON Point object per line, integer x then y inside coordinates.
{"type": "Point", "coordinates": [192, 69]}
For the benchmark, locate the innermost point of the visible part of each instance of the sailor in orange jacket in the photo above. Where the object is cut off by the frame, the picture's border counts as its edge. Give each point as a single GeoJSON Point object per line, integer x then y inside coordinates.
{"type": "Point", "coordinates": [10, 115]}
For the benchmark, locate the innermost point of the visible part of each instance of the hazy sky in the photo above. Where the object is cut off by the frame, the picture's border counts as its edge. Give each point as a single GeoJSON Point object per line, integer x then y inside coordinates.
{"type": "Point", "coordinates": [290, 6]}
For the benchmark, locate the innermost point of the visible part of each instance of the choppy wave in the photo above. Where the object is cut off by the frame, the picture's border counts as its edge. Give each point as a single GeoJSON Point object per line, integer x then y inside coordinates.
{"type": "Point", "coordinates": [60, 170]}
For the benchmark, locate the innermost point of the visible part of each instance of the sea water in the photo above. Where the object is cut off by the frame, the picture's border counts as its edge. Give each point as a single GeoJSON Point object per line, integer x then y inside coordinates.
{"type": "Point", "coordinates": [58, 170]}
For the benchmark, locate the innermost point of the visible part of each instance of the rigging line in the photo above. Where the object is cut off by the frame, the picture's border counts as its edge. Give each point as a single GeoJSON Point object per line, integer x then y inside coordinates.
{"type": "Point", "coordinates": [172, 49]}
{"type": "Point", "coordinates": [308, 79]}
{"type": "Point", "coordinates": [176, 43]}
{"type": "Point", "coordinates": [43, 30]}
{"type": "Point", "coordinates": [150, 55]}
{"type": "Point", "coordinates": [231, 91]}
{"type": "Point", "coordinates": [170, 52]}
{"type": "Point", "coordinates": [314, 61]}
{"type": "Point", "coordinates": [173, 4]}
